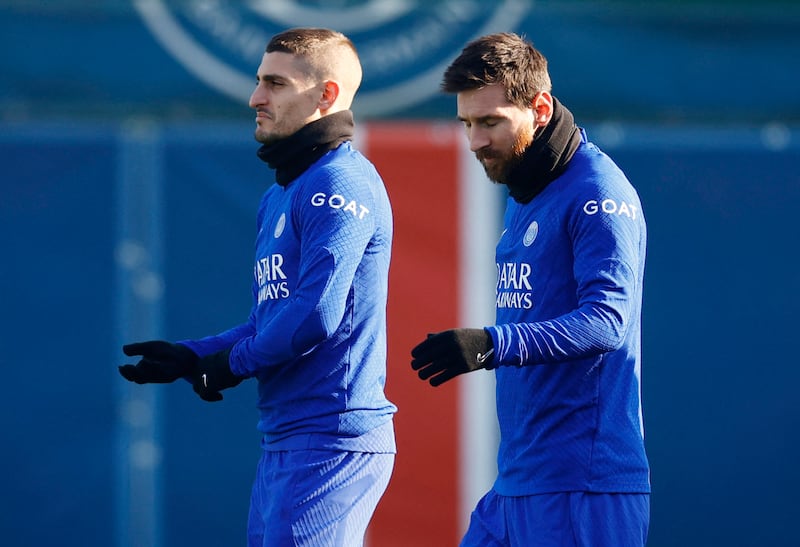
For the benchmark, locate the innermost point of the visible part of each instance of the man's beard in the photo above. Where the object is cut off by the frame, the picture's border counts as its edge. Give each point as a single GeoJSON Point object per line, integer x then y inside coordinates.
{"type": "Point", "coordinates": [276, 133]}
{"type": "Point", "coordinates": [505, 163]}
{"type": "Point", "coordinates": [267, 138]}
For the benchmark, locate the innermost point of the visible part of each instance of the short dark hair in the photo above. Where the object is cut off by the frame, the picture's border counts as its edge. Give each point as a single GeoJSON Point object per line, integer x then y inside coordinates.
{"type": "Point", "coordinates": [307, 41]}
{"type": "Point", "coordinates": [322, 50]}
{"type": "Point", "coordinates": [504, 58]}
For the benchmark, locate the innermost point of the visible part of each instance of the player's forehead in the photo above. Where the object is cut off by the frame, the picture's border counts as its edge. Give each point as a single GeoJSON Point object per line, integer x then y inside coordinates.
{"type": "Point", "coordinates": [482, 103]}
{"type": "Point", "coordinates": [286, 66]}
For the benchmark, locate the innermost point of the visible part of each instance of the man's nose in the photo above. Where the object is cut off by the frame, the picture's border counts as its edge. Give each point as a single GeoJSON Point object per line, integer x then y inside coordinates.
{"type": "Point", "coordinates": [257, 97]}
{"type": "Point", "coordinates": [477, 139]}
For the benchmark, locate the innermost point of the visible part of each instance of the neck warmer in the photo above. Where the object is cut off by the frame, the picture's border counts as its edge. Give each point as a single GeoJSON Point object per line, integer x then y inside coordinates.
{"type": "Point", "coordinates": [291, 156]}
{"type": "Point", "coordinates": [546, 157]}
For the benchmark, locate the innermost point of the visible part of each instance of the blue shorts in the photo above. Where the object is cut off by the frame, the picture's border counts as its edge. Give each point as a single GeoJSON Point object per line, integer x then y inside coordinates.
{"type": "Point", "coordinates": [315, 497]}
{"type": "Point", "coordinates": [565, 519]}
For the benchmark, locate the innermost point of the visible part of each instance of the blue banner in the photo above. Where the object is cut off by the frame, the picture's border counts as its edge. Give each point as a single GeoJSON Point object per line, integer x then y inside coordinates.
{"type": "Point", "coordinates": [625, 60]}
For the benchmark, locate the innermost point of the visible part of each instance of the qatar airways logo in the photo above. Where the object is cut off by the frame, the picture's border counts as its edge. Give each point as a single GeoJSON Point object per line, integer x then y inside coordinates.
{"type": "Point", "coordinates": [610, 207]}
{"type": "Point", "coordinates": [514, 288]}
{"type": "Point", "coordinates": [271, 279]}
{"type": "Point", "coordinates": [404, 45]}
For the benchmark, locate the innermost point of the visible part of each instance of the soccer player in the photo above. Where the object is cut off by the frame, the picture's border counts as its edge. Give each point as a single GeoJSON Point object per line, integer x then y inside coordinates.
{"type": "Point", "coordinates": [565, 349]}
{"type": "Point", "coordinates": [315, 339]}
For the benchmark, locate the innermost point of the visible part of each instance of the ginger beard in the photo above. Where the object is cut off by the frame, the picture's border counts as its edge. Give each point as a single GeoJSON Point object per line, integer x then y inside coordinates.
{"type": "Point", "coordinates": [498, 164]}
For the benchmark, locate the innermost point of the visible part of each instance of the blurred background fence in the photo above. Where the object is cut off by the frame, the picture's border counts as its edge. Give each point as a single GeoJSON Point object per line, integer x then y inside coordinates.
{"type": "Point", "coordinates": [129, 185]}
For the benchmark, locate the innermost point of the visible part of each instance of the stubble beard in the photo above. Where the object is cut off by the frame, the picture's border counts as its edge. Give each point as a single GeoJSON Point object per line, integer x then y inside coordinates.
{"type": "Point", "coordinates": [279, 131]}
{"type": "Point", "coordinates": [266, 137]}
{"type": "Point", "coordinates": [272, 135]}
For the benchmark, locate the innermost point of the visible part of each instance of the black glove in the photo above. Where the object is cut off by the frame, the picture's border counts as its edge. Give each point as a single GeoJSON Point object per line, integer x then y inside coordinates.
{"type": "Point", "coordinates": [443, 356]}
{"type": "Point", "coordinates": [213, 374]}
{"type": "Point", "coordinates": [161, 363]}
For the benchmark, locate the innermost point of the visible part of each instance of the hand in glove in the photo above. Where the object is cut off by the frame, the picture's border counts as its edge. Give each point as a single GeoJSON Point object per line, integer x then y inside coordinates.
{"type": "Point", "coordinates": [445, 355]}
{"type": "Point", "coordinates": [212, 375]}
{"type": "Point", "coordinates": [161, 363]}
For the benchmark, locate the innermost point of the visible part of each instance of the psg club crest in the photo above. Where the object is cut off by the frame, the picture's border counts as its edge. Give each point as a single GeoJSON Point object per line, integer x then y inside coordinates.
{"type": "Point", "coordinates": [404, 45]}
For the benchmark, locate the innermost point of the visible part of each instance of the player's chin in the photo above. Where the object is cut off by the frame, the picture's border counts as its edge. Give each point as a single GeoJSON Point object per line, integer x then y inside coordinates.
{"type": "Point", "coordinates": [494, 172]}
{"type": "Point", "coordinates": [265, 137]}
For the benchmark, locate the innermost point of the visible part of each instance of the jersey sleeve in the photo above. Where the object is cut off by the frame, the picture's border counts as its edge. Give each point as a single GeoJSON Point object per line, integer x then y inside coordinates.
{"type": "Point", "coordinates": [607, 251]}
{"type": "Point", "coordinates": [224, 340]}
{"type": "Point", "coordinates": [333, 240]}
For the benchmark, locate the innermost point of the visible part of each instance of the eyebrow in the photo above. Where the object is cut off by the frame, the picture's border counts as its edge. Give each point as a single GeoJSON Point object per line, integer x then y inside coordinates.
{"type": "Point", "coordinates": [271, 78]}
{"type": "Point", "coordinates": [481, 119]}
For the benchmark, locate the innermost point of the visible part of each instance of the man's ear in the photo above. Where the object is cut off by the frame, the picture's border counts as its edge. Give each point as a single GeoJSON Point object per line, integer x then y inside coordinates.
{"type": "Point", "coordinates": [329, 95]}
{"type": "Point", "coordinates": [542, 109]}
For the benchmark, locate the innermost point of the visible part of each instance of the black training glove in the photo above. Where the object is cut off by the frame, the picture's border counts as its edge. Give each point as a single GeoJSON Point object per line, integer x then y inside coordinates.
{"type": "Point", "coordinates": [443, 356]}
{"type": "Point", "coordinates": [161, 363]}
{"type": "Point", "coordinates": [212, 375]}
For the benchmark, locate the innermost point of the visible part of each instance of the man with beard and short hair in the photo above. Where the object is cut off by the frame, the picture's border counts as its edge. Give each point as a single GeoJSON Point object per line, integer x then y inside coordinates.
{"type": "Point", "coordinates": [566, 346]}
{"type": "Point", "coordinates": [315, 338]}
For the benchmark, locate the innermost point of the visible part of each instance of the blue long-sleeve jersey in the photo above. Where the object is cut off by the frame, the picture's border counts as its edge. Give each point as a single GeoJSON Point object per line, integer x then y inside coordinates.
{"type": "Point", "coordinates": [568, 334]}
{"type": "Point", "coordinates": [316, 335]}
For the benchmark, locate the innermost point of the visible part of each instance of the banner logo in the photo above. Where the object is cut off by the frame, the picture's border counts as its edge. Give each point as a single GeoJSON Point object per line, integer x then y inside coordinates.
{"type": "Point", "coordinates": [404, 45]}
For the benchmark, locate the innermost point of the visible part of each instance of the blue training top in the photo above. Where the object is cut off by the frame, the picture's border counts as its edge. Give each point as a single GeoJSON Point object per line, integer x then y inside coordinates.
{"type": "Point", "coordinates": [316, 335]}
{"type": "Point", "coordinates": [568, 335]}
